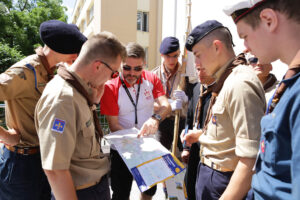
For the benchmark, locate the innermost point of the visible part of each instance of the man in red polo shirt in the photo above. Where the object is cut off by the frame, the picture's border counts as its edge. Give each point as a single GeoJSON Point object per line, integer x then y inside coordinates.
{"type": "Point", "coordinates": [128, 101]}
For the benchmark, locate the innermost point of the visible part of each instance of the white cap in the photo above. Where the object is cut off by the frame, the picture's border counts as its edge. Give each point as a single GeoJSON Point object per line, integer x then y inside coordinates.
{"type": "Point", "coordinates": [245, 6]}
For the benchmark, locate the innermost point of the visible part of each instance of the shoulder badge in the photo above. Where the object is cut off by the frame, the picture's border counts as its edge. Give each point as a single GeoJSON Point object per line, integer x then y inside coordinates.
{"type": "Point", "coordinates": [58, 125]}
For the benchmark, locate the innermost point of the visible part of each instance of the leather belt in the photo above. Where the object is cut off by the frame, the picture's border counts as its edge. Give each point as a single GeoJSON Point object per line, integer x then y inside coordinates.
{"type": "Point", "coordinates": [23, 150]}
{"type": "Point", "coordinates": [214, 166]}
{"type": "Point", "coordinates": [81, 187]}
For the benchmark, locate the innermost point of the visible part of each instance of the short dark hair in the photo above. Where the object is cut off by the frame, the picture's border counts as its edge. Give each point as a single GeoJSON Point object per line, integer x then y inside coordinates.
{"type": "Point", "coordinates": [289, 8]}
{"type": "Point", "coordinates": [221, 34]}
{"type": "Point", "coordinates": [135, 50]}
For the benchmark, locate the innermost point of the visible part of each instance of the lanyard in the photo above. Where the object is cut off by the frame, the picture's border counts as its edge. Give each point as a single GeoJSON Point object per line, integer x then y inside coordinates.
{"type": "Point", "coordinates": [130, 97]}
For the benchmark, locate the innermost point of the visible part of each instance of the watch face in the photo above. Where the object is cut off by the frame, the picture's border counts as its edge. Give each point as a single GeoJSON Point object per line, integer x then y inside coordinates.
{"type": "Point", "coordinates": [157, 116]}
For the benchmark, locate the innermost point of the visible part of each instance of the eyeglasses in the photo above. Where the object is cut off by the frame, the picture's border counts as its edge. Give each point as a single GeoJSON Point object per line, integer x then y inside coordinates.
{"type": "Point", "coordinates": [253, 60]}
{"type": "Point", "coordinates": [114, 74]}
{"type": "Point", "coordinates": [128, 68]}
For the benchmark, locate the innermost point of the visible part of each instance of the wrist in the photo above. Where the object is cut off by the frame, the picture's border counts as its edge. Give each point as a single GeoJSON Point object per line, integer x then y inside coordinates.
{"type": "Point", "coordinates": [156, 117]}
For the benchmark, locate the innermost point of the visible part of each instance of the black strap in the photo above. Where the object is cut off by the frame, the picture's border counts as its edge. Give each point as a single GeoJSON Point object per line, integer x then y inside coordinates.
{"type": "Point", "coordinates": [131, 99]}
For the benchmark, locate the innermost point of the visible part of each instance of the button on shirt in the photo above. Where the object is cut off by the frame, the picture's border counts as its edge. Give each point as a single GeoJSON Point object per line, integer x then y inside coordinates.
{"type": "Point", "coordinates": [234, 129]}
{"type": "Point", "coordinates": [21, 92]}
{"type": "Point", "coordinates": [278, 166]}
{"type": "Point", "coordinates": [66, 131]}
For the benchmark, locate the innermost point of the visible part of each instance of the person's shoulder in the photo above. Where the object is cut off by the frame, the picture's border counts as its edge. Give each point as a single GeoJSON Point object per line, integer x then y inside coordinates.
{"type": "Point", "coordinates": [59, 89]}
{"type": "Point", "coordinates": [243, 73]}
{"type": "Point", "coordinates": [156, 69]}
{"type": "Point", "coordinates": [149, 75]}
{"type": "Point", "coordinates": [113, 83]}
{"type": "Point", "coordinates": [32, 60]}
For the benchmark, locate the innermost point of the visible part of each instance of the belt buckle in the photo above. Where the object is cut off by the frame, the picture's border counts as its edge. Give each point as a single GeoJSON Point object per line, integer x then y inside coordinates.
{"type": "Point", "coordinates": [24, 151]}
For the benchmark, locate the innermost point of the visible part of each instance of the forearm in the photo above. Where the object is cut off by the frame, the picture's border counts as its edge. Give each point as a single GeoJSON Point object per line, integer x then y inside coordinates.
{"type": "Point", "coordinates": [9, 137]}
{"type": "Point", "coordinates": [113, 123]}
{"type": "Point", "coordinates": [240, 182]}
{"type": "Point", "coordinates": [61, 184]}
{"type": "Point", "coordinates": [163, 108]}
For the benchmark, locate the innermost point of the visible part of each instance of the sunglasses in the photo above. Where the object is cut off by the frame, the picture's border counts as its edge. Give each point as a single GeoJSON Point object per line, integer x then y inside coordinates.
{"type": "Point", "coordinates": [128, 68]}
{"type": "Point", "coordinates": [114, 74]}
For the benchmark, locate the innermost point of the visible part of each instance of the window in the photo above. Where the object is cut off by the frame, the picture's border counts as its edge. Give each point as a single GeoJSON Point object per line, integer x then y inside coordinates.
{"type": "Point", "coordinates": [143, 21]}
{"type": "Point", "coordinates": [91, 13]}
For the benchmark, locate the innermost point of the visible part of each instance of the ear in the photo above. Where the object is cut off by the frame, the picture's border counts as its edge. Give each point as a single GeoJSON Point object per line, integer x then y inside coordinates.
{"type": "Point", "coordinates": [218, 46]}
{"type": "Point", "coordinates": [269, 19]}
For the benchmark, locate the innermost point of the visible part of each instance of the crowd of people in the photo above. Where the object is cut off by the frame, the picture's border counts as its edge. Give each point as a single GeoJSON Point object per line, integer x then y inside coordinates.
{"type": "Point", "coordinates": [238, 125]}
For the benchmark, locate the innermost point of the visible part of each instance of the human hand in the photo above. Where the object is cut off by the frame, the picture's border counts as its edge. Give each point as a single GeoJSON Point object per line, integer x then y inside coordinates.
{"type": "Point", "coordinates": [97, 93]}
{"type": "Point", "coordinates": [191, 137]}
{"type": "Point", "coordinates": [175, 104]}
{"type": "Point", "coordinates": [149, 127]}
{"type": "Point", "coordinates": [9, 137]}
{"type": "Point", "coordinates": [185, 156]}
{"type": "Point", "coordinates": [179, 94]}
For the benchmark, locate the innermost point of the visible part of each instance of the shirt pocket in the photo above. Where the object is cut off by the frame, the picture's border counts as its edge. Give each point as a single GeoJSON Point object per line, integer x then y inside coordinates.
{"type": "Point", "coordinates": [217, 118]}
{"type": "Point", "coordinates": [87, 144]}
{"type": "Point", "coordinates": [268, 142]}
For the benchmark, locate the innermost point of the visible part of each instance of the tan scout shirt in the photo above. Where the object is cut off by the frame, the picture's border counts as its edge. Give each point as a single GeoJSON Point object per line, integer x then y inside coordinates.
{"type": "Point", "coordinates": [66, 131]}
{"type": "Point", "coordinates": [18, 90]}
{"type": "Point", "coordinates": [175, 80]}
{"type": "Point", "coordinates": [234, 129]}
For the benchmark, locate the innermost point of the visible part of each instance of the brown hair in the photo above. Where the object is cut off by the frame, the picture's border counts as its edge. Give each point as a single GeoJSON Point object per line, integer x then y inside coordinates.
{"type": "Point", "coordinates": [135, 50]}
{"type": "Point", "coordinates": [104, 46]}
{"type": "Point", "coordinates": [290, 8]}
{"type": "Point", "coordinates": [222, 34]}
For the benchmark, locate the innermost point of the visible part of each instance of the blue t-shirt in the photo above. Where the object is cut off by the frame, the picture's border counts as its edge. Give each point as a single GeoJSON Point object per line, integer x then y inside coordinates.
{"type": "Point", "coordinates": [278, 166]}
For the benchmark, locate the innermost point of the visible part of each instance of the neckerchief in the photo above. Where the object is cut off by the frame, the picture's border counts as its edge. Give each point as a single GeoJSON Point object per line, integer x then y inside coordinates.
{"type": "Point", "coordinates": [70, 78]}
{"type": "Point", "coordinates": [270, 81]}
{"type": "Point", "coordinates": [281, 88]}
{"type": "Point", "coordinates": [40, 53]}
{"type": "Point", "coordinates": [203, 94]}
{"type": "Point", "coordinates": [239, 60]}
{"type": "Point", "coordinates": [168, 76]}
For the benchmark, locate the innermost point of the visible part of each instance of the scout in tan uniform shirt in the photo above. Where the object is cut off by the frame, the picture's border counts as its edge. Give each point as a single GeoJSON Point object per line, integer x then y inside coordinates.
{"type": "Point", "coordinates": [67, 126]}
{"type": "Point", "coordinates": [21, 174]}
{"type": "Point", "coordinates": [230, 137]}
{"type": "Point", "coordinates": [170, 73]}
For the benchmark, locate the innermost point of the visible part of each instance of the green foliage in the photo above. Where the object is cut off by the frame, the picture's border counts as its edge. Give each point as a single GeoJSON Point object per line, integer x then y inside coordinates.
{"type": "Point", "coordinates": [20, 21]}
{"type": "Point", "coordinates": [8, 56]}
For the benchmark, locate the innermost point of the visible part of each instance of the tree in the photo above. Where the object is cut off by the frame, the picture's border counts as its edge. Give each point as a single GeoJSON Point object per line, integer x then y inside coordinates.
{"type": "Point", "coordinates": [19, 24]}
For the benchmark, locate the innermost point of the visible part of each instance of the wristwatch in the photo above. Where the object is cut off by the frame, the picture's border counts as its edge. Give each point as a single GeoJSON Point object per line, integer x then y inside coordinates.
{"type": "Point", "coordinates": [156, 116]}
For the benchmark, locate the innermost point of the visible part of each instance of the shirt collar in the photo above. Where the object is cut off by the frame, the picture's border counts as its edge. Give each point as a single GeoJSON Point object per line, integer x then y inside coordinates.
{"type": "Point", "coordinates": [221, 70]}
{"type": "Point", "coordinates": [82, 82]}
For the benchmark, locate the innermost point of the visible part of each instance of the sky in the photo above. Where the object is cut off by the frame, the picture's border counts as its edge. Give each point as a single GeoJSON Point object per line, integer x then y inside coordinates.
{"type": "Point", "coordinates": [70, 5]}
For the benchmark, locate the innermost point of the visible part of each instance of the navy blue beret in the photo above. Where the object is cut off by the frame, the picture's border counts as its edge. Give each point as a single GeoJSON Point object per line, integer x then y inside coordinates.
{"type": "Point", "coordinates": [61, 37]}
{"type": "Point", "coordinates": [200, 32]}
{"type": "Point", "coordinates": [169, 45]}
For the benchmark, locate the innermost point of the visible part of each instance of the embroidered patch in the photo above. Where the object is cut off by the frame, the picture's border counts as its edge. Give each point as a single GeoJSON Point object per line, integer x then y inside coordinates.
{"type": "Point", "coordinates": [262, 146]}
{"type": "Point", "coordinates": [58, 125]}
{"type": "Point", "coordinates": [214, 120]}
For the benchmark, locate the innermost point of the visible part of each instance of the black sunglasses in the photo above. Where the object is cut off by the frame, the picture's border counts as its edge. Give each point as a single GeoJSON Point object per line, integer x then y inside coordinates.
{"type": "Point", "coordinates": [114, 74]}
{"type": "Point", "coordinates": [128, 68]}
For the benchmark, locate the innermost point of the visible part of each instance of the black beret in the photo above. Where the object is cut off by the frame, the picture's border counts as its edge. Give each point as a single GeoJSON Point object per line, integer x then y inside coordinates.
{"type": "Point", "coordinates": [61, 37]}
{"type": "Point", "coordinates": [200, 32]}
{"type": "Point", "coordinates": [169, 45]}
